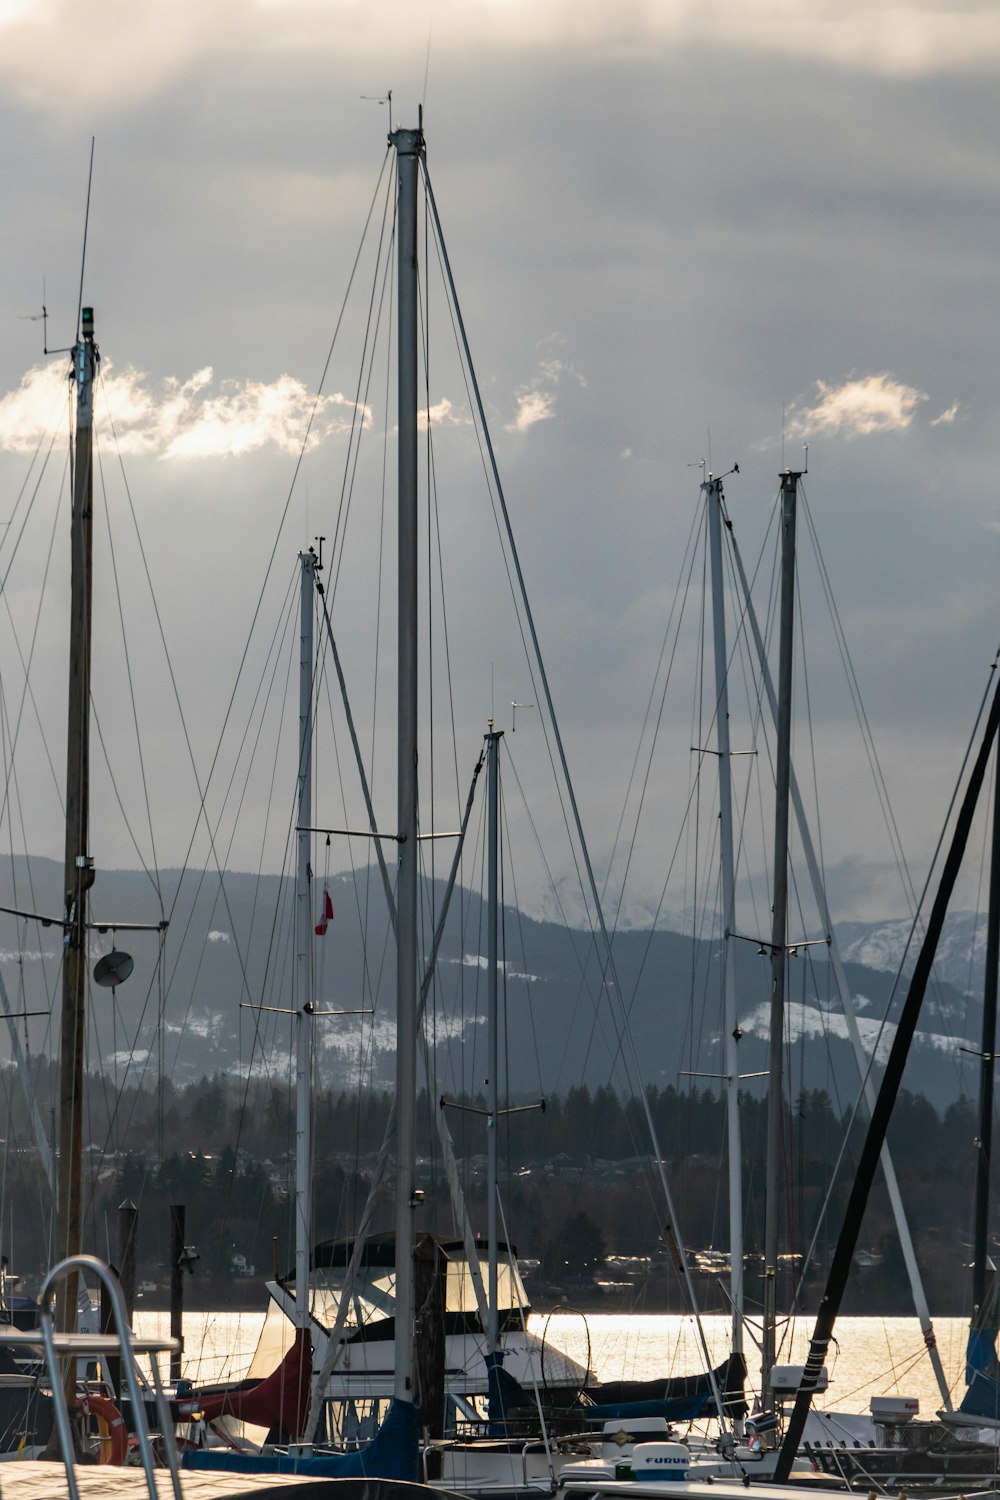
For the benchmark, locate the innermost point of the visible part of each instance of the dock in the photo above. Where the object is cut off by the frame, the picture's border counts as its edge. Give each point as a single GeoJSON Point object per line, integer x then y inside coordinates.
{"type": "Point", "coordinates": [37, 1479]}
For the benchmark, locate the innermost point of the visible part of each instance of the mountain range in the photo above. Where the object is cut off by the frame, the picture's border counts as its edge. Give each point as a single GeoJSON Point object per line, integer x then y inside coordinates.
{"type": "Point", "coordinates": [219, 1000]}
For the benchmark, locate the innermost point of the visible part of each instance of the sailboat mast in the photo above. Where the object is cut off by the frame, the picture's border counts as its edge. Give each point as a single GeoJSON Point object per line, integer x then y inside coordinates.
{"type": "Point", "coordinates": [987, 1066]}
{"type": "Point", "coordinates": [303, 948]}
{"type": "Point", "coordinates": [493, 1096]}
{"type": "Point", "coordinates": [713, 494]}
{"type": "Point", "coordinates": [775, 1094]}
{"type": "Point", "coordinates": [78, 870]}
{"type": "Point", "coordinates": [847, 1002]}
{"type": "Point", "coordinates": [409, 146]}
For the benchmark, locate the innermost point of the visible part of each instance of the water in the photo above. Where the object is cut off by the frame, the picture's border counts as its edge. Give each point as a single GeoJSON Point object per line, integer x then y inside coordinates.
{"type": "Point", "coordinates": [872, 1357]}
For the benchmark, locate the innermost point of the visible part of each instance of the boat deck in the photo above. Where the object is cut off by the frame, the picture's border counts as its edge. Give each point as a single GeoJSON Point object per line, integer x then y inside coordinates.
{"type": "Point", "coordinates": [40, 1480]}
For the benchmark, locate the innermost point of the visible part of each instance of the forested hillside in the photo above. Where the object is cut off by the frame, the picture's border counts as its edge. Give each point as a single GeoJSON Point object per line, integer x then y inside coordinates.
{"type": "Point", "coordinates": [581, 1197]}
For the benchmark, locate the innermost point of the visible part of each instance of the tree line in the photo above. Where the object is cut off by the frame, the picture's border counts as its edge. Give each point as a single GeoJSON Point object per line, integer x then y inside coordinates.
{"type": "Point", "coordinates": [224, 1146]}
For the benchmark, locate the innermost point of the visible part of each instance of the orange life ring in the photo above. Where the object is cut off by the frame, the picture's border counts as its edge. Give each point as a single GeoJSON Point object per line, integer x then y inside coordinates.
{"type": "Point", "coordinates": [112, 1432]}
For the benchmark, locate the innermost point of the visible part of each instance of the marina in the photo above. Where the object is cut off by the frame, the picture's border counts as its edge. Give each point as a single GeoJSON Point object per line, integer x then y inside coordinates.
{"type": "Point", "coordinates": [311, 1046]}
{"type": "Point", "coordinates": [876, 1356]}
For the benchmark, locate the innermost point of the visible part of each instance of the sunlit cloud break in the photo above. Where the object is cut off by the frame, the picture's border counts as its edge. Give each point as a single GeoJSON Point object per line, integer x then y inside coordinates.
{"type": "Point", "coordinates": [193, 418]}
{"type": "Point", "coordinates": [443, 414]}
{"type": "Point", "coordinates": [532, 407]}
{"type": "Point", "coordinates": [872, 403]}
{"type": "Point", "coordinates": [536, 401]}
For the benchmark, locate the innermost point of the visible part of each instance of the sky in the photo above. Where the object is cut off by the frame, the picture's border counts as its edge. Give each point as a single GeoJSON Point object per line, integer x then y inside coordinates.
{"type": "Point", "coordinates": [680, 233]}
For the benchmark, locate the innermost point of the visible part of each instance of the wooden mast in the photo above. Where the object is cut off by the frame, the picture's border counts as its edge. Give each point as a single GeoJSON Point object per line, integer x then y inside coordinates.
{"type": "Point", "coordinates": [79, 870]}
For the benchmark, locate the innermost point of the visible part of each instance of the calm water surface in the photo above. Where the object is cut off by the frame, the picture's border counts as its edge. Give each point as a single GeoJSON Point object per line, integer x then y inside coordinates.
{"type": "Point", "coordinates": [873, 1356]}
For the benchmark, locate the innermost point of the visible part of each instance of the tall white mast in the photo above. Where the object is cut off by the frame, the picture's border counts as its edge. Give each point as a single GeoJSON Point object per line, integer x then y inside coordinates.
{"type": "Point", "coordinates": [303, 949]}
{"type": "Point", "coordinates": [713, 495]}
{"type": "Point", "coordinates": [409, 146]}
{"type": "Point", "coordinates": [847, 1003]}
{"type": "Point", "coordinates": [779, 916]}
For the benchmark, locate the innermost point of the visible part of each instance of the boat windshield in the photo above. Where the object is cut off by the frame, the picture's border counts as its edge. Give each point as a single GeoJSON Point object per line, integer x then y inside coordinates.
{"type": "Point", "coordinates": [373, 1295]}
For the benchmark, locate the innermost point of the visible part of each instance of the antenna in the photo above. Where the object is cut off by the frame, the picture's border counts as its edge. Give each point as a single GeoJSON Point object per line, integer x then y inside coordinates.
{"type": "Point", "coordinates": [513, 714]}
{"type": "Point", "coordinates": [83, 265]}
{"type": "Point", "coordinates": [427, 65]}
{"type": "Point", "coordinates": [86, 227]}
{"type": "Point", "coordinates": [37, 317]}
{"type": "Point", "coordinates": [782, 434]}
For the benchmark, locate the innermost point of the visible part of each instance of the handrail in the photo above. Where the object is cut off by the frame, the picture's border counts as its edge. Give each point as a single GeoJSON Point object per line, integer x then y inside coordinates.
{"type": "Point", "coordinates": [97, 1343]}
{"type": "Point", "coordinates": [525, 1450]}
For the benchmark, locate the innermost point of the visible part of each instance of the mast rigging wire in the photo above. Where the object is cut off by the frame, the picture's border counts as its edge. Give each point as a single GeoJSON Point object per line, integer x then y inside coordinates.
{"type": "Point", "coordinates": [153, 875]}
{"type": "Point", "coordinates": [342, 514]}
{"type": "Point", "coordinates": [203, 788]}
{"type": "Point", "coordinates": [520, 933]}
{"type": "Point", "coordinates": [27, 692]}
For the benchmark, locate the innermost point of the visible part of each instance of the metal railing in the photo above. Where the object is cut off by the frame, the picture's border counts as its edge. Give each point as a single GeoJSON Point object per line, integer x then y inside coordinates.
{"type": "Point", "coordinates": [60, 1346]}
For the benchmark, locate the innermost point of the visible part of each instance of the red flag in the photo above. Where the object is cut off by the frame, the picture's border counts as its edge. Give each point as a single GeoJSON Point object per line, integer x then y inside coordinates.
{"type": "Point", "coordinates": [324, 920]}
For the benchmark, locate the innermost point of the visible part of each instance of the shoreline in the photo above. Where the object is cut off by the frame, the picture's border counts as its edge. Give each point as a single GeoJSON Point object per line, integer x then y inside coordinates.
{"type": "Point", "coordinates": [248, 1295]}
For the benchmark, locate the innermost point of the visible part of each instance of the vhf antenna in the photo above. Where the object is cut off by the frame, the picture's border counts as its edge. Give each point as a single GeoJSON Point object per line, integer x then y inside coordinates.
{"type": "Point", "coordinates": [83, 263]}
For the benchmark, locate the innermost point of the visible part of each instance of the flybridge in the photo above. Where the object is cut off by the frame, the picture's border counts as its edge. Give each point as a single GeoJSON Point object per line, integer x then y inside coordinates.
{"type": "Point", "coordinates": [372, 1290]}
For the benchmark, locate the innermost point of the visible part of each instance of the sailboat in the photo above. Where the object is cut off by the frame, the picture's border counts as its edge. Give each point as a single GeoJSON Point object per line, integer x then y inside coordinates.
{"type": "Point", "coordinates": [342, 1328]}
{"type": "Point", "coordinates": [345, 1298]}
{"type": "Point", "coordinates": [400, 1431]}
{"type": "Point", "coordinates": [830, 1430]}
{"type": "Point", "coordinates": [28, 1415]}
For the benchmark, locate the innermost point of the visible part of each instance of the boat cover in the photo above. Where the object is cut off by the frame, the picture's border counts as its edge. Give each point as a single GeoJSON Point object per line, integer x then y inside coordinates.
{"type": "Point", "coordinates": [392, 1454]}
{"type": "Point", "coordinates": [982, 1399]}
{"type": "Point", "coordinates": [678, 1399]}
{"type": "Point", "coordinates": [281, 1400]}
{"type": "Point", "coordinates": [729, 1377]}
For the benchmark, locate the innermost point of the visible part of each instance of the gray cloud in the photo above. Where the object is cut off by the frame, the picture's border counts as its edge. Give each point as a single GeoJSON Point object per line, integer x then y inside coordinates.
{"type": "Point", "coordinates": [717, 233]}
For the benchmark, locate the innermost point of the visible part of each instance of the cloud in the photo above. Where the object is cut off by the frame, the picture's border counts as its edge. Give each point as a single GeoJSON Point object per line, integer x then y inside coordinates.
{"type": "Point", "coordinates": [536, 401]}
{"type": "Point", "coordinates": [442, 414]}
{"type": "Point", "coordinates": [532, 407]}
{"type": "Point", "coordinates": [946, 417]}
{"type": "Point", "coordinates": [149, 45]}
{"type": "Point", "coordinates": [873, 403]}
{"type": "Point", "coordinates": [184, 419]}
